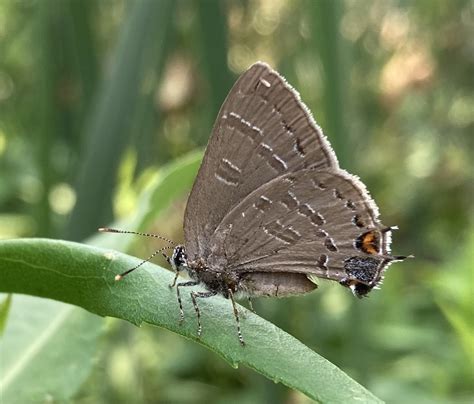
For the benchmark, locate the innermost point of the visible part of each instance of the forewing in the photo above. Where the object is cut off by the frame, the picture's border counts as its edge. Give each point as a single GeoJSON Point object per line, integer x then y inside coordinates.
{"type": "Point", "coordinates": [262, 132]}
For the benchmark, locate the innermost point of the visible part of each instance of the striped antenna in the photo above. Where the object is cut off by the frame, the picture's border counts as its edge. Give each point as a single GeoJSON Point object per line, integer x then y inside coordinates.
{"type": "Point", "coordinates": [120, 276]}
{"type": "Point", "coordinates": [109, 230]}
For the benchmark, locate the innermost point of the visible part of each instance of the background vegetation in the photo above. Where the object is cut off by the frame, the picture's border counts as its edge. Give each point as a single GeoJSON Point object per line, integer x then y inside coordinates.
{"type": "Point", "coordinates": [96, 98]}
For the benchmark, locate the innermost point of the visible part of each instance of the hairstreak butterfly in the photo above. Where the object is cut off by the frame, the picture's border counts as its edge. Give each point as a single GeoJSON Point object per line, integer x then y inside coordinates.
{"type": "Point", "coordinates": [271, 209]}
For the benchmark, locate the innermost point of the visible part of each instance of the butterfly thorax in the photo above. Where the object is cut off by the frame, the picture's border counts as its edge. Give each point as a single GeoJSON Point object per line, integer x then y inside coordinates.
{"type": "Point", "coordinates": [214, 279]}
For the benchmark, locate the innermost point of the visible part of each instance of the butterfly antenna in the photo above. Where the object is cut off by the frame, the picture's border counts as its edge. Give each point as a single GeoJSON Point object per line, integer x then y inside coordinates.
{"type": "Point", "coordinates": [109, 230]}
{"type": "Point", "coordinates": [120, 276]}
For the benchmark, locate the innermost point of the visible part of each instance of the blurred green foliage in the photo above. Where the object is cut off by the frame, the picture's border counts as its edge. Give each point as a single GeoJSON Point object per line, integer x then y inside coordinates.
{"type": "Point", "coordinates": [96, 96]}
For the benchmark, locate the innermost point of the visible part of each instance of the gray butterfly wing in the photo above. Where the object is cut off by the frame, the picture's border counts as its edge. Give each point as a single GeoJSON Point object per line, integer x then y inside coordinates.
{"type": "Point", "coordinates": [262, 132]}
{"type": "Point", "coordinates": [320, 222]}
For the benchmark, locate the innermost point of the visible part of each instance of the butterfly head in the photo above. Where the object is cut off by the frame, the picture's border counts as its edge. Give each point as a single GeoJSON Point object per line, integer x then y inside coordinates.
{"type": "Point", "coordinates": [179, 259]}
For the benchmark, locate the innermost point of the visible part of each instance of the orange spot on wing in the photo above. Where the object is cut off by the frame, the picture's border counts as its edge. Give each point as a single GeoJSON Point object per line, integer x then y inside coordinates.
{"type": "Point", "coordinates": [370, 242]}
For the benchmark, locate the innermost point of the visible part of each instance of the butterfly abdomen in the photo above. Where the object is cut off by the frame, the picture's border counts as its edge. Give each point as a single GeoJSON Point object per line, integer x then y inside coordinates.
{"type": "Point", "coordinates": [274, 284]}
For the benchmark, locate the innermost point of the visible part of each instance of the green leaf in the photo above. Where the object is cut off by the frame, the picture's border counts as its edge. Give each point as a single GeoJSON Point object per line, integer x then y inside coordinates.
{"type": "Point", "coordinates": [455, 298]}
{"type": "Point", "coordinates": [333, 52]}
{"type": "Point", "coordinates": [142, 40]}
{"type": "Point", "coordinates": [4, 310]}
{"type": "Point", "coordinates": [84, 276]}
{"type": "Point", "coordinates": [172, 182]}
{"type": "Point", "coordinates": [43, 335]}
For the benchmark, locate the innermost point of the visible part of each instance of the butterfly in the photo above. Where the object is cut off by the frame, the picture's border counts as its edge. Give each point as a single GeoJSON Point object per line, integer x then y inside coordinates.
{"type": "Point", "coordinates": [271, 209]}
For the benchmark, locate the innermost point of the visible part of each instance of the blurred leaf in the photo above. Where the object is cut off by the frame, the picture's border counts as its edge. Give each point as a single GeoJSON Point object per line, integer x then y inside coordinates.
{"type": "Point", "coordinates": [213, 29]}
{"type": "Point", "coordinates": [332, 49]}
{"type": "Point", "coordinates": [110, 124]}
{"type": "Point", "coordinates": [172, 182]}
{"type": "Point", "coordinates": [464, 329]}
{"type": "Point", "coordinates": [84, 276]}
{"type": "Point", "coordinates": [80, 16]}
{"type": "Point", "coordinates": [4, 310]}
{"type": "Point", "coordinates": [455, 296]}
{"type": "Point", "coordinates": [32, 352]}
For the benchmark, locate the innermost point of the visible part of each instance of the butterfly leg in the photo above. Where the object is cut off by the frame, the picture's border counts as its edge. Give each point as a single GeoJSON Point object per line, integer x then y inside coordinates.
{"type": "Point", "coordinates": [168, 260]}
{"type": "Point", "coordinates": [194, 295]}
{"type": "Point", "coordinates": [179, 285]}
{"type": "Point", "coordinates": [171, 285]}
{"type": "Point", "coordinates": [236, 315]}
{"type": "Point", "coordinates": [250, 304]}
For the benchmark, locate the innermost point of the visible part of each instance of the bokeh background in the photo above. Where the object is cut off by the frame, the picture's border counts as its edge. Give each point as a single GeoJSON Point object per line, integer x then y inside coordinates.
{"type": "Point", "coordinates": [96, 97]}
